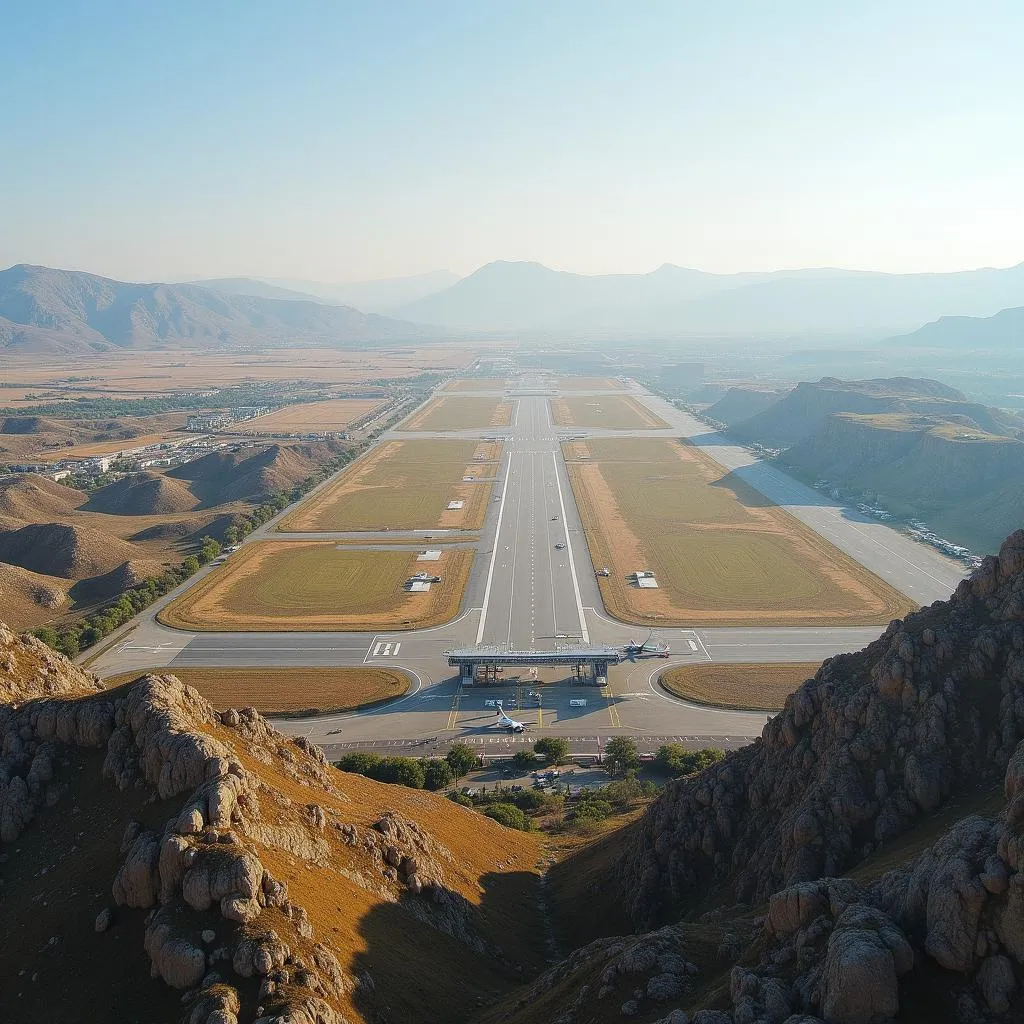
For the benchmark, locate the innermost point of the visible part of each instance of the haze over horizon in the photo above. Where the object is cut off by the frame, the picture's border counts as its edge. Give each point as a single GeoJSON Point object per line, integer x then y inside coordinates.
{"type": "Point", "coordinates": [357, 142]}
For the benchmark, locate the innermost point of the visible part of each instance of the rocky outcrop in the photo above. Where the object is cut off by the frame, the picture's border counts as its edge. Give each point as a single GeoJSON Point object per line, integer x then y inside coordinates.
{"type": "Point", "coordinates": [859, 752]}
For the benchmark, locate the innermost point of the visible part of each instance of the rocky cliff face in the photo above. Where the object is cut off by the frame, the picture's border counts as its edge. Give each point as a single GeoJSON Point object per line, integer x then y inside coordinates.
{"type": "Point", "coordinates": [236, 821]}
{"type": "Point", "coordinates": [874, 740]}
{"type": "Point", "coordinates": [806, 408]}
{"type": "Point", "coordinates": [968, 489]}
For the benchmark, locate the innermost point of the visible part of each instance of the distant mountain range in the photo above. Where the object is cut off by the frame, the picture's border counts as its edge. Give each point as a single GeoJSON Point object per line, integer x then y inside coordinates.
{"type": "Point", "coordinates": [677, 302]}
{"type": "Point", "coordinates": [384, 296]}
{"type": "Point", "coordinates": [1003, 332]}
{"type": "Point", "coordinates": [45, 310]}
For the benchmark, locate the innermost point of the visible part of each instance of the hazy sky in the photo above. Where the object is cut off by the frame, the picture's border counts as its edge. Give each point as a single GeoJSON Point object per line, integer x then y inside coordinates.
{"type": "Point", "coordinates": [345, 141]}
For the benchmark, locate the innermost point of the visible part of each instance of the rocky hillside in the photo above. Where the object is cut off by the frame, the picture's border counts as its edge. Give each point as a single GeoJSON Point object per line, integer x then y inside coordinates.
{"type": "Point", "coordinates": [807, 407]}
{"type": "Point", "coordinates": [741, 402]}
{"type": "Point", "coordinates": [968, 485]}
{"type": "Point", "coordinates": [870, 772]}
{"type": "Point", "coordinates": [163, 862]}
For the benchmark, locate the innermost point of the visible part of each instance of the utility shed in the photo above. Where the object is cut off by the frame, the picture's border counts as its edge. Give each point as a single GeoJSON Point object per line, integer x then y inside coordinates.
{"type": "Point", "coordinates": [454, 505]}
{"type": "Point", "coordinates": [429, 556]}
{"type": "Point", "coordinates": [417, 587]}
{"type": "Point", "coordinates": [647, 583]}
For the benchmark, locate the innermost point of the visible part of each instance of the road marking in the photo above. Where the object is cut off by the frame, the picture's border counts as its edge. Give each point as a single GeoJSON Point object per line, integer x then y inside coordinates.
{"type": "Point", "coordinates": [584, 632]}
{"type": "Point", "coordinates": [453, 716]}
{"type": "Point", "coordinates": [494, 555]}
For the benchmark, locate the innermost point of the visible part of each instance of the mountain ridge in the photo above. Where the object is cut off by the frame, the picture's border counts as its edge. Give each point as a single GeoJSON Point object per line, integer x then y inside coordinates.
{"type": "Point", "coordinates": [43, 308]}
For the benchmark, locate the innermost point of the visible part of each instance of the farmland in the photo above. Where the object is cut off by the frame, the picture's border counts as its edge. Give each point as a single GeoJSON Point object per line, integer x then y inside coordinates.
{"type": "Point", "coordinates": [403, 485]}
{"type": "Point", "coordinates": [458, 413]}
{"type": "Point", "coordinates": [288, 691]}
{"type": "Point", "coordinates": [476, 384]}
{"type": "Point", "coordinates": [312, 417]}
{"type": "Point", "coordinates": [314, 585]}
{"type": "Point", "coordinates": [722, 553]}
{"type": "Point", "coordinates": [612, 412]}
{"type": "Point", "coordinates": [751, 687]}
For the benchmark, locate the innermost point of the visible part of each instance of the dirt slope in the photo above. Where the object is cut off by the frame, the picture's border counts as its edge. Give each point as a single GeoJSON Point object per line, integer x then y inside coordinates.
{"type": "Point", "coordinates": [58, 549]}
{"type": "Point", "coordinates": [249, 475]}
{"type": "Point", "coordinates": [164, 862]}
{"type": "Point", "coordinates": [28, 598]}
{"type": "Point", "coordinates": [143, 494]}
{"type": "Point", "coordinates": [35, 499]}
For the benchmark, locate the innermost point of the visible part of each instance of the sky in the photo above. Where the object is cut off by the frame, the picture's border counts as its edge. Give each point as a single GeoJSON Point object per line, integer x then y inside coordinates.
{"type": "Point", "coordinates": [344, 141]}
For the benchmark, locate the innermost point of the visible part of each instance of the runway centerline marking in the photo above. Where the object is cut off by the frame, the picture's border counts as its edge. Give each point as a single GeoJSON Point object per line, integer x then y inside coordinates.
{"type": "Point", "coordinates": [584, 632]}
{"type": "Point", "coordinates": [494, 555]}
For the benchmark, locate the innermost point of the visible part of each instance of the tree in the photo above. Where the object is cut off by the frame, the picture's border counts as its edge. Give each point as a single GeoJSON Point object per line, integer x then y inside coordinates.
{"type": "Point", "coordinates": [359, 763]}
{"type": "Point", "coordinates": [554, 748]}
{"type": "Point", "coordinates": [676, 761]}
{"type": "Point", "coordinates": [209, 549]}
{"type": "Point", "coordinates": [460, 759]}
{"type": "Point", "coordinates": [461, 799]}
{"type": "Point", "coordinates": [621, 755]}
{"type": "Point", "coordinates": [524, 759]}
{"type": "Point", "coordinates": [190, 566]}
{"type": "Point", "coordinates": [402, 771]}
{"type": "Point", "coordinates": [437, 773]}
{"type": "Point", "coordinates": [510, 816]}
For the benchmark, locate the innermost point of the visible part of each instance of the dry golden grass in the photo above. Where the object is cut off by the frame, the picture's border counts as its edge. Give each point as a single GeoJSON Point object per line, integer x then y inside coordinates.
{"type": "Point", "coordinates": [722, 554]}
{"type": "Point", "coordinates": [315, 585]}
{"type": "Point", "coordinates": [762, 687]}
{"type": "Point", "coordinates": [493, 868]}
{"type": "Point", "coordinates": [312, 417]}
{"type": "Point", "coordinates": [611, 412]}
{"type": "Point", "coordinates": [401, 485]}
{"type": "Point", "coordinates": [283, 691]}
{"type": "Point", "coordinates": [458, 413]}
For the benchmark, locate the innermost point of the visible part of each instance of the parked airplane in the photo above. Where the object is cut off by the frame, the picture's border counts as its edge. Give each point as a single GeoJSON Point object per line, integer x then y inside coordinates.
{"type": "Point", "coordinates": [647, 649]}
{"type": "Point", "coordinates": [423, 577]}
{"type": "Point", "coordinates": [508, 723]}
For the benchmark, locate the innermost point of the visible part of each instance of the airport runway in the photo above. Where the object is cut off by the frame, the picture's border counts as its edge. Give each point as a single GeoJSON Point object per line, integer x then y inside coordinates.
{"type": "Point", "coordinates": [526, 593]}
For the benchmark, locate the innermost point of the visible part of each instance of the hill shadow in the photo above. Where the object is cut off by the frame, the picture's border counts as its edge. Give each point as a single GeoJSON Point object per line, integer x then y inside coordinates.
{"type": "Point", "coordinates": [438, 959]}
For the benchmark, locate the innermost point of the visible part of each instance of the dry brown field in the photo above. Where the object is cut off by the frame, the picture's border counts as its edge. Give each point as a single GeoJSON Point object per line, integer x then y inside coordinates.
{"type": "Point", "coordinates": [588, 384]}
{"type": "Point", "coordinates": [476, 384]}
{"type": "Point", "coordinates": [287, 691]}
{"type": "Point", "coordinates": [83, 451]}
{"type": "Point", "coordinates": [402, 485]}
{"type": "Point", "coordinates": [751, 687]}
{"type": "Point", "coordinates": [157, 372]}
{"type": "Point", "coordinates": [312, 417]}
{"type": "Point", "coordinates": [721, 552]}
{"type": "Point", "coordinates": [315, 585]}
{"type": "Point", "coordinates": [456, 413]}
{"type": "Point", "coordinates": [612, 412]}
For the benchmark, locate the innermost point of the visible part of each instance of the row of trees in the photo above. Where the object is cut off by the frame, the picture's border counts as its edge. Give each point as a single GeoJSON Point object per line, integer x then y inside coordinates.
{"type": "Point", "coordinates": [431, 773]}
{"type": "Point", "coordinates": [73, 637]}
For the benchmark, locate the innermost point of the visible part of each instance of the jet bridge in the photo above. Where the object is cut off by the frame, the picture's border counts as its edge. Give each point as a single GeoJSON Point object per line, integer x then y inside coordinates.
{"type": "Point", "coordinates": [485, 664]}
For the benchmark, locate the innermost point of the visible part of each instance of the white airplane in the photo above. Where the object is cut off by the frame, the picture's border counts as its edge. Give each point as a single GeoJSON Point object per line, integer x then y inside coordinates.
{"type": "Point", "coordinates": [508, 723]}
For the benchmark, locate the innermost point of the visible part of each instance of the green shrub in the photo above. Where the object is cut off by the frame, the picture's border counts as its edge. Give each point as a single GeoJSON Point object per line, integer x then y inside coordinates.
{"type": "Point", "coordinates": [510, 816]}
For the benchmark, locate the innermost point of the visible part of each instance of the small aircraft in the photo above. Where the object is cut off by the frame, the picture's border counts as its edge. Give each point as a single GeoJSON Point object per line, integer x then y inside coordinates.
{"type": "Point", "coordinates": [560, 546]}
{"type": "Point", "coordinates": [423, 577]}
{"type": "Point", "coordinates": [647, 649]}
{"type": "Point", "coordinates": [605, 571]}
{"type": "Point", "coordinates": [508, 723]}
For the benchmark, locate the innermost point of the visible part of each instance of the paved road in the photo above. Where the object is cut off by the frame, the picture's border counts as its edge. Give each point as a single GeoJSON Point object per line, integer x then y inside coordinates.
{"type": "Point", "coordinates": [525, 592]}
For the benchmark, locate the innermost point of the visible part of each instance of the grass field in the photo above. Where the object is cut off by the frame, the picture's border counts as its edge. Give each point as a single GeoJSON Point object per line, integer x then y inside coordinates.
{"type": "Point", "coordinates": [403, 485]}
{"type": "Point", "coordinates": [722, 554]}
{"type": "Point", "coordinates": [311, 417]}
{"type": "Point", "coordinates": [754, 687]}
{"type": "Point", "coordinates": [458, 413]}
{"type": "Point", "coordinates": [613, 412]}
{"type": "Point", "coordinates": [287, 691]}
{"type": "Point", "coordinates": [314, 585]}
{"type": "Point", "coordinates": [84, 451]}
{"type": "Point", "coordinates": [476, 384]}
